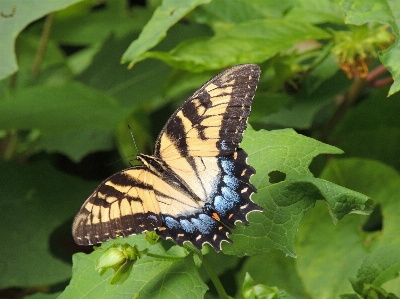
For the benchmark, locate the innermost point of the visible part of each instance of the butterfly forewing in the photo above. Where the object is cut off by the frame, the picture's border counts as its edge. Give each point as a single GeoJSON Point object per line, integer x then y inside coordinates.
{"type": "Point", "coordinates": [212, 121]}
{"type": "Point", "coordinates": [122, 205]}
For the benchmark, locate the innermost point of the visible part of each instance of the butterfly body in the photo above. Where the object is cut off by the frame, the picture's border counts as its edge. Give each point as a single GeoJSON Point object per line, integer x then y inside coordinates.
{"type": "Point", "coordinates": [196, 185]}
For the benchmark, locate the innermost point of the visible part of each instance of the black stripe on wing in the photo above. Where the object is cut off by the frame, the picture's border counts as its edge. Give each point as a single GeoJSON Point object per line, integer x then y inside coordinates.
{"type": "Point", "coordinates": [116, 208]}
{"type": "Point", "coordinates": [216, 115]}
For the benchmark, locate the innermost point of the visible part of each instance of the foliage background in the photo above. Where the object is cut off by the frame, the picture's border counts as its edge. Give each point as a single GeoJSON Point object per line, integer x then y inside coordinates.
{"type": "Point", "coordinates": [66, 101]}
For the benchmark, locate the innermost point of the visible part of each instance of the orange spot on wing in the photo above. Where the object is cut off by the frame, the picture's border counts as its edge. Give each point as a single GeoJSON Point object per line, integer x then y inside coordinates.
{"type": "Point", "coordinates": [215, 216]}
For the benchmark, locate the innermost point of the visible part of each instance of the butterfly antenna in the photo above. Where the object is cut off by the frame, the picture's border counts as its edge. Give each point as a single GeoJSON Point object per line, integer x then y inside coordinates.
{"type": "Point", "coordinates": [133, 138]}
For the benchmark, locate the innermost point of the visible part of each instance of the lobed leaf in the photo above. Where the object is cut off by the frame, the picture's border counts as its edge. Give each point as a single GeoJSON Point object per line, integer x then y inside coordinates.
{"type": "Point", "coordinates": [341, 248]}
{"type": "Point", "coordinates": [286, 201]}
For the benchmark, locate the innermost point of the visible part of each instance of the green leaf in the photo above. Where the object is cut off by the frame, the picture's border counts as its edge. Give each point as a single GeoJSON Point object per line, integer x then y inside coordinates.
{"type": "Point", "coordinates": [164, 17]}
{"type": "Point", "coordinates": [382, 11]}
{"type": "Point", "coordinates": [300, 112]}
{"type": "Point", "coordinates": [43, 296]}
{"type": "Point", "coordinates": [35, 199]}
{"type": "Point", "coordinates": [143, 85]}
{"type": "Point", "coordinates": [380, 266]}
{"type": "Point", "coordinates": [62, 113]}
{"type": "Point", "coordinates": [53, 68]}
{"type": "Point", "coordinates": [329, 254]}
{"type": "Point", "coordinates": [243, 42]}
{"type": "Point", "coordinates": [260, 291]}
{"type": "Point", "coordinates": [20, 15]}
{"type": "Point", "coordinates": [316, 12]}
{"type": "Point", "coordinates": [364, 132]}
{"type": "Point", "coordinates": [218, 12]}
{"type": "Point", "coordinates": [273, 268]}
{"type": "Point", "coordinates": [160, 277]}
{"type": "Point", "coordinates": [96, 26]}
{"type": "Point", "coordinates": [286, 201]}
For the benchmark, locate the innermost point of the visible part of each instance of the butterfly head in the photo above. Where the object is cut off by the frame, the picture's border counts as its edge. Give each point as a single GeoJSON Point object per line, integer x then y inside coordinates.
{"type": "Point", "coordinates": [150, 162]}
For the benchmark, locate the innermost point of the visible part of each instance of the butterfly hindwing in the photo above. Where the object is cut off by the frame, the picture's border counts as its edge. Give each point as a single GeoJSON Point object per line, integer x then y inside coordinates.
{"type": "Point", "coordinates": [197, 184]}
{"type": "Point", "coordinates": [226, 189]}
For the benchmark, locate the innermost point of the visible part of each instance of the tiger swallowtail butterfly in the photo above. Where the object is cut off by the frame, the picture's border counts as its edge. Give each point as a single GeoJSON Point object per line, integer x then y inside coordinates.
{"type": "Point", "coordinates": [196, 185]}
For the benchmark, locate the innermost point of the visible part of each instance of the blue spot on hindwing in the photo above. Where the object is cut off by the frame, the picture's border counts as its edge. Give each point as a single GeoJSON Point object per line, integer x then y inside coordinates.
{"type": "Point", "coordinates": [227, 166]}
{"type": "Point", "coordinates": [207, 220]}
{"type": "Point", "coordinates": [227, 201]}
{"type": "Point", "coordinates": [201, 227]}
{"type": "Point", "coordinates": [231, 181]}
{"type": "Point", "coordinates": [171, 223]}
{"type": "Point", "coordinates": [230, 195]}
{"type": "Point", "coordinates": [187, 226]}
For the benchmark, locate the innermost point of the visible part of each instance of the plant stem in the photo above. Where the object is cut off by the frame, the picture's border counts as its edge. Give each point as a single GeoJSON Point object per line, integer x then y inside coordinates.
{"type": "Point", "coordinates": [210, 271]}
{"type": "Point", "coordinates": [11, 145]}
{"type": "Point", "coordinates": [214, 278]}
{"type": "Point", "coordinates": [42, 44]}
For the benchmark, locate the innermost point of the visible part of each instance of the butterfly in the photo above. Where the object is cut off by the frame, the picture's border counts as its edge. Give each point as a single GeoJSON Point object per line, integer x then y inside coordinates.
{"type": "Point", "coordinates": [196, 185]}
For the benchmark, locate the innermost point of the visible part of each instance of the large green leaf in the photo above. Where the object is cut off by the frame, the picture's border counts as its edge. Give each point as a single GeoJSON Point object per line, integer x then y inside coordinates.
{"type": "Point", "coordinates": [151, 277]}
{"type": "Point", "coordinates": [286, 201]}
{"type": "Point", "coordinates": [381, 11]}
{"type": "Point", "coordinates": [164, 17]}
{"type": "Point", "coordinates": [35, 200]}
{"type": "Point", "coordinates": [328, 255]}
{"type": "Point", "coordinates": [19, 15]}
{"type": "Point", "coordinates": [316, 12]}
{"type": "Point", "coordinates": [96, 26]}
{"type": "Point", "coordinates": [218, 12]}
{"type": "Point", "coordinates": [43, 296]}
{"type": "Point", "coordinates": [241, 43]}
{"type": "Point", "coordinates": [72, 118]}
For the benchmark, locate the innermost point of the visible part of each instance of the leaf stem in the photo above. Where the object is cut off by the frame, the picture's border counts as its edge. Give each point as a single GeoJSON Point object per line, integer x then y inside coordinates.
{"type": "Point", "coordinates": [214, 278]}
{"type": "Point", "coordinates": [42, 44]}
